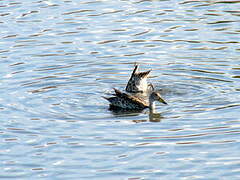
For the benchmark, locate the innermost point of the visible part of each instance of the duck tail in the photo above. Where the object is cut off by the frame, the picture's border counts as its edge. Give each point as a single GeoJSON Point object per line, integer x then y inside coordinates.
{"type": "Point", "coordinates": [105, 98]}
{"type": "Point", "coordinates": [117, 92]}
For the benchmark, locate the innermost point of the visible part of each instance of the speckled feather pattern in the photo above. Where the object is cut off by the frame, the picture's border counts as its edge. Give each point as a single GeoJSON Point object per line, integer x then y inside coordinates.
{"type": "Point", "coordinates": [137, 81]}
{"type": "Point", "coordinates": [126, 101]}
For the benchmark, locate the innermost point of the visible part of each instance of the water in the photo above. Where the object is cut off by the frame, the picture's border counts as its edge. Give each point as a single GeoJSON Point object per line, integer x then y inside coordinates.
{"type": "Point", "coordinates": [59, 57]}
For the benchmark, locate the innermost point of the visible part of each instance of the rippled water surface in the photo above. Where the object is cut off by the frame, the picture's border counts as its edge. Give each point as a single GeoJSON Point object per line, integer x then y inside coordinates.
{"type": "Point", "coordinates": [59, 57]}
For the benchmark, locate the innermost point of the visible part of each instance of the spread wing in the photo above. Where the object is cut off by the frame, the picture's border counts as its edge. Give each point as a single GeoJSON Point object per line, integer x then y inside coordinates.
{"type": "Point", "coordinates": [135, 70]}
{"type": "Point", "coordinates": [144, 74]}
{"type": "Point", "coordinates": [136, 81]}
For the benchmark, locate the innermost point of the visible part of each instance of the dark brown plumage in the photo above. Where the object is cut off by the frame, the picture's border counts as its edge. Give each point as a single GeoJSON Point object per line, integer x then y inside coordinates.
{"type": "Point", "coordinates": [130, 102]}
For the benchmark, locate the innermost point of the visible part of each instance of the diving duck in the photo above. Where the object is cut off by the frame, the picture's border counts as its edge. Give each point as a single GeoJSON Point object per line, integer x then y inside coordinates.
{"type": "Point", "coordinates": [138, 81]}
{"type": "Point", "coordinates": [126, 101]}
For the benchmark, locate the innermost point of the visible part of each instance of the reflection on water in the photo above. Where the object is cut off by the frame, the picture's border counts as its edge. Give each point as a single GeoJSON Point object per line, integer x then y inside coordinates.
{"type": "Point", "coordinates": [59, 58]}
{"type": "Point", "coordinates": [153, 116]}
{"type": "Point", "coordinates": [123, 112]}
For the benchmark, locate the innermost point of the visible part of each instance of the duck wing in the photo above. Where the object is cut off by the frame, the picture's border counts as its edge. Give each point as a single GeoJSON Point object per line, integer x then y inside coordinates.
{"type": "Point", "coordinates": [135, 70]}
{"type": "Point", "coordinates": [137, 81]}
{"type": "Point", "coordinates": [143, 74]}
{"type": "Point", "coordinates": [130, 101]}
{"type": "Point", "coordinates": [131, 86]}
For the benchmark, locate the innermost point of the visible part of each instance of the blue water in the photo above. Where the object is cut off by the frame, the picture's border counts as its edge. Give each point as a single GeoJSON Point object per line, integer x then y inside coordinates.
{"type": "Point", "coordinates": [59, 57]}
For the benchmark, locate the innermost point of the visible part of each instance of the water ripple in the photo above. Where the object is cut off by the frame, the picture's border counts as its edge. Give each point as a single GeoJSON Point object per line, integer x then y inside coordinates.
{"type": "Point", "coordinates": [59, 58]}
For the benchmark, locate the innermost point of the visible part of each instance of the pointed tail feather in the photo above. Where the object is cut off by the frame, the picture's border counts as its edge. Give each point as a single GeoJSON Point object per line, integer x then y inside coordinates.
{"type": "Point", "coordinates": [105, 98]}
{"type": "Point", "coordinates": [117, 92]}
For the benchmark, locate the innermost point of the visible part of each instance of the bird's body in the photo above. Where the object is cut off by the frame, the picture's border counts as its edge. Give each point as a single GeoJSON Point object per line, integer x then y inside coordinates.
{"type": "Point", "coordinates": [129, 102]}
{"type": "Point", "coordinates": [138, 81]}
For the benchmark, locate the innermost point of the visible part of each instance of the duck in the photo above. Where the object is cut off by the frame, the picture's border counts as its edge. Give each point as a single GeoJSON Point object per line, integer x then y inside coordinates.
{"type": "Point", "coordinates": [121, 100]}
{"type": "Point", "coordinates": [138, 81]}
